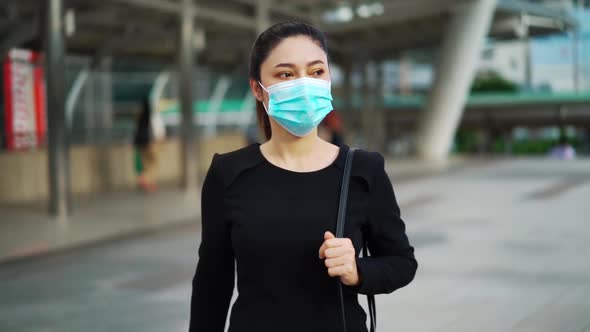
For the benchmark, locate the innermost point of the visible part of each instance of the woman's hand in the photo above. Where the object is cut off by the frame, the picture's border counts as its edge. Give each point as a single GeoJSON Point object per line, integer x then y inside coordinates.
{"type": "Point", "coordinates": [340, 259]}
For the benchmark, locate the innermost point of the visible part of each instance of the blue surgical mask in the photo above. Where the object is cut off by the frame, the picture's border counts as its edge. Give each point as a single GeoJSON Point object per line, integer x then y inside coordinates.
{"type": "Point", "coordinates": [299, 105]}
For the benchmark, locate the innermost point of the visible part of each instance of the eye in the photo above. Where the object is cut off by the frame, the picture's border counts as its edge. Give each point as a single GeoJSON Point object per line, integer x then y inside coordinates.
{"type": "Point", "coordinates": [285, 74]}
{"type": "Point", "coordinates": [319, 72]}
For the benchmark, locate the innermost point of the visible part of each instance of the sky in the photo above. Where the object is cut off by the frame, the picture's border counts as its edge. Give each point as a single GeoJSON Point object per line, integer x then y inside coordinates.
{"type": "Point", "coordinates": [558, 50]}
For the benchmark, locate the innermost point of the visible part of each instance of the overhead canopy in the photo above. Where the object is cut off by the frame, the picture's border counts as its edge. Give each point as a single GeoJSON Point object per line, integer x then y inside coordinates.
{"type": "Point", "coordinates": [370, 29]}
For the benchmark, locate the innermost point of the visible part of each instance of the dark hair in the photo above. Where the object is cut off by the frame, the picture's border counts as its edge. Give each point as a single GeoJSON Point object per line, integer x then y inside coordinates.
{"type": "Point", "coordinates": [265, 43]}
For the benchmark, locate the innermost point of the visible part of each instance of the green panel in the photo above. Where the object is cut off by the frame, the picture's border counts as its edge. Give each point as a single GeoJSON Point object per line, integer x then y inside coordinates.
{"type": "Point", "coordinates": [127, 92]}
{"type": "Point", "coordinates": [228, 105]}
{"type": "Point", "coordinates": [489, 99]}
{"type": "Point", "coordinates": [484, 99]}
{"type": "Point", "coordinates": [417, 101]}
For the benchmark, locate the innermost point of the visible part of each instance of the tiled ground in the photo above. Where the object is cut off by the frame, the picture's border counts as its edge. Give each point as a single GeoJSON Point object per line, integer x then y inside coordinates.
{"type": "Point", "coordinates": [502, 247]}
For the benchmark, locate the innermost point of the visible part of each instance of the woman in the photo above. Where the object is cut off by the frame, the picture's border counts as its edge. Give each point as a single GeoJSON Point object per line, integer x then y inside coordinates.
{"type": "Point", "coordinates": [149, 132]}
{"type": "Point", "coordinates": [272, 208]}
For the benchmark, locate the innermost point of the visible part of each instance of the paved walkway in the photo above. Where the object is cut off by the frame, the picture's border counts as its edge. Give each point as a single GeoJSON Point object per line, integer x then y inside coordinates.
{"type": "Point", "coordinates": [502, 247]}
{"type": "Point", "coordinates": [28, 230]}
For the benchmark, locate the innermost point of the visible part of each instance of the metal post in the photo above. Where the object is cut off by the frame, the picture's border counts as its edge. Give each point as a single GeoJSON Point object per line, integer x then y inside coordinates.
{"type": "Point", "coordinates": [380, 118]}
{"type": "Point", "coordinates": [528, 68]}
{"type": "Point", "coordinates": [105, 111]}
{"type": "Point", "coordinates": [189, 148]}
{"type": "Point", "coordinates": [405, 68]}
{"type": "Point", "coordinates": [57, 136]}
{"type": "Point", "coordinates": [104, 119]}
{"type": "Point", "coordinates": [347, 92]}
{"type": "Point", "coordinates": [369, 105]}
{"type": "Point", "coordinates": [576, 60]}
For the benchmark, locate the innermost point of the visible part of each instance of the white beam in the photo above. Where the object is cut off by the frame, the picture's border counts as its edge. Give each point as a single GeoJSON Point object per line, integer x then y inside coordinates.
{"type": "Point", "coordinates": [396, 12]}
{"type": "Point", "coordinates": [233, 19]}
{"type": "Point", "coordinates": [280, 8]}
{"type": "Point", "coordinates": [161, 5]}
{"type": "Point", "coordinates": [229, 18]}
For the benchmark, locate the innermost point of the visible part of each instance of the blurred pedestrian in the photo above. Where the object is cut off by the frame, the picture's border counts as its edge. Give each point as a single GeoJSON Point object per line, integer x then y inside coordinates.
{"type": "Point", "coordinates": [272, 208]}
{"type": "Point", "coordinates": [150, 131]}
{"type": "Point", "coordinates": [331, 129]}
{"type": "Point", "coordinates": [563, 150]}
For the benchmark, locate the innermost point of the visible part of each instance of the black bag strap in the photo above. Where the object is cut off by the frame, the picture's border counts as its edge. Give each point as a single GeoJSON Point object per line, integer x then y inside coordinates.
{"type": "Point", "coordinates": [342, 205]}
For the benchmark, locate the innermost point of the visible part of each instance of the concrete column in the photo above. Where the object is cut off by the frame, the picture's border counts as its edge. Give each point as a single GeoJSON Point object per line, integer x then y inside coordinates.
{"type": "Point", "coordinates": [262, 15]}
{"type": "Point", "coordinates": [104, 120]}
{"type": "Point", "coordinates": [189, 148]}
{"type": "Point", "coordinates": [89, 125]}
{"type": "Point", "coordinates": [105, 111]}
{"type": "Point", "coordinates": [405, 74]}
{"type": "Point", "coordinates": [523, 33]}
{"type": "Point", "coordinates": [367, 106]}
{"type": "Point", "coordinates": [347, 92]}
{"type": "Point", "coordinates": [459, 56]}
{"type": "Point", "coordinates": [56, 111]}
{"type": "Point", "coordinates": [380, 115]}
{"type": "Point", "coordinates": [576, 60]}
{"type": "Point", "coordinates": [372, 108]}
{"type": "Point", "coordinates": [263, 21]}
{"type": "Point", "coordinates": [528, 68]}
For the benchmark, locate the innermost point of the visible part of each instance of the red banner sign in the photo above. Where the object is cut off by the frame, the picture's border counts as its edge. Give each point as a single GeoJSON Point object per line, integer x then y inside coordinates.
{"type": "Point", "coordinates": [24, 100]}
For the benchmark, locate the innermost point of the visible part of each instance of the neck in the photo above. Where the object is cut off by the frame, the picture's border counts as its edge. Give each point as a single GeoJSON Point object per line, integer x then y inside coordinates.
{"type": "Point", "coordinates": [287, 146]}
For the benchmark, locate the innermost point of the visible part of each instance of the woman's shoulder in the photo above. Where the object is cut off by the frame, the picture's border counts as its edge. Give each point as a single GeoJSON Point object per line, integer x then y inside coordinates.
{"type": "Point", "coordinates": [370, 159]}
{"type": "Point", "coordinates": [230, 164]}
{"type": "Point", "coordinates": [367, 165]}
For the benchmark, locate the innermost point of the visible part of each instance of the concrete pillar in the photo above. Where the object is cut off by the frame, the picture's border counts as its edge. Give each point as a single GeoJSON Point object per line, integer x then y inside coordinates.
{"type": "Point", "coordinates": [367, 106]}
{"type": "Point", "coordinates": [262, 15]}
{"type": "Point", "coordinates": [459, 56]}
{"type": "Point", "coordinates": [528, 68]}
{"type": "Point", "coordinates": [59, 170]}
{"type": "Point", "coordinates": [189, 148]}
{"type": "Point", "coordinates": [405, 74]}
{"type": "Point", "coordinates": [523, 33]}
{"type": "Point", "coordinates": [89, 125]}
{"type": "Point", "coordinates": [347, 92]}
{"type": "Point", "coordinates": [263, 21]}
{"type": "Point", "coordinates": [105, 99]}
{"type": "Point", "coordinates": [104, 119]}
{"type": "Point", "coordinates": [380, 116]}
{"type": "Point", "coordinates": [372, 108]}
{"type": "Point", "coordinates": [576, 60]}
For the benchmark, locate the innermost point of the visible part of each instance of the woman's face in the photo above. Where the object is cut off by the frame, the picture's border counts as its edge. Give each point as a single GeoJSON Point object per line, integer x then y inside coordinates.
{"type": "Point", "coordinates": [293, 58]}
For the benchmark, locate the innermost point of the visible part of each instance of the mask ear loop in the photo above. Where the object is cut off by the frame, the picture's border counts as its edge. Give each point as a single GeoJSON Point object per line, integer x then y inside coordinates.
{"type": "Point", "coordinates": [263, 88]}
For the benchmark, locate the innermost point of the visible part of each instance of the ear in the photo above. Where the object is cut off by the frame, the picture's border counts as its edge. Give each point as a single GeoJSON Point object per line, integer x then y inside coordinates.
{"type": "Point", "coordinates": [256, 90]}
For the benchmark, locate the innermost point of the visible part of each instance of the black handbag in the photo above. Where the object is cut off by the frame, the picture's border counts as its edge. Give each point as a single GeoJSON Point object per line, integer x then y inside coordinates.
{"type": "Point", "coordinates": [340, 233]}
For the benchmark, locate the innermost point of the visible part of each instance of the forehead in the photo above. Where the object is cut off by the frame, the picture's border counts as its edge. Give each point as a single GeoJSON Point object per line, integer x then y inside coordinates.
{"type": "Point", "coordinates": [297, 50]}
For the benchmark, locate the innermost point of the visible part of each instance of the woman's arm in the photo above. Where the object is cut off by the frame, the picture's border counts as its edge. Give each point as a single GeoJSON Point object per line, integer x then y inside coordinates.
{"type": "Point", "coordinates": [392, 264]}
{"type": "Point", "coordinates": [213, 282]}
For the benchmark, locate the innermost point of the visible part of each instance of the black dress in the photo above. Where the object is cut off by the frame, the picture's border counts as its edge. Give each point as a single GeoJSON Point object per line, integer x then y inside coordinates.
{"type": "Point", "coordinates": [271, 222]}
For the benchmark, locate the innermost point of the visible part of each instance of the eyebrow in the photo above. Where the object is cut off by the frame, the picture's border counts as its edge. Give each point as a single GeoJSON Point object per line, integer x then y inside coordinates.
{"type": "Point", "coordinates": [290, 65]}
